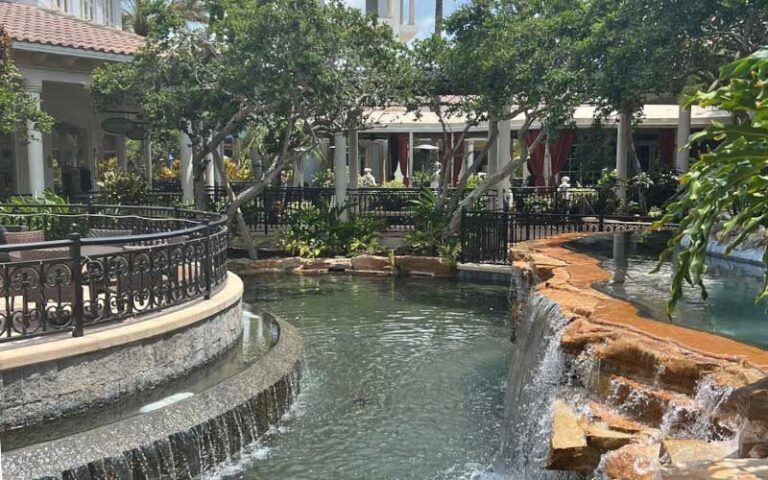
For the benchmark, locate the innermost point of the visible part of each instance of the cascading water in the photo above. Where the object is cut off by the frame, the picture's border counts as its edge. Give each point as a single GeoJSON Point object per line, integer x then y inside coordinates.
{"type": "Point", "coordinates": [537, 371]}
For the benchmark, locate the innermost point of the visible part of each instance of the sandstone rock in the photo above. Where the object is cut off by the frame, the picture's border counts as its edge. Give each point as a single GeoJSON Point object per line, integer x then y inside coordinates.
{"type": "Point", "coordinates": [324, 265]}
{"type": "Point", "coordinates": [729, 469]}
{"type": "Point", "coordinates": [633, 462]}
{"type": "Point", "coordinates": [371, 263]}
{"type": "Point", "coordinates": [568, 446]}
{"type": "Point", "coordinates": [616, 421]}
{"type": "Point", "coordinates": [605, 439]}
{"type": "Point", "coordinates": [415, 265]}
{"type": "Point", "coordinates": [751, 402]}
{"type": "Point", "coordinates": [648, 403]}
{"type": "Point", "coordinates": [684, 452]}
{"type": "Point", "coordinates": [275, 264]}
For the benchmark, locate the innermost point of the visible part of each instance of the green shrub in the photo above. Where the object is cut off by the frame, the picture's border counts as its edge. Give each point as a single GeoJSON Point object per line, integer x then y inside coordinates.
{"type": "Point", "coordinates": [123, 188]}
{"type": "Point", "coordinates": [320, 232]}
{"type": "Point", "coordinates": [47, 213]}
{"type": "Point", "coordinates": [393, 184]}
{"type": "Point", "coordinates": [429, 224]}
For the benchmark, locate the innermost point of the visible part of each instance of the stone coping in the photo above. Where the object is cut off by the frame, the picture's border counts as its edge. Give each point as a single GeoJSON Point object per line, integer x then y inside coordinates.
{"type": "Point", "coordinates": [47, 349]}
{"type": "Point", "coordinates": [50, 459]}
{"type": "Point", "coordinates": [566, 277]}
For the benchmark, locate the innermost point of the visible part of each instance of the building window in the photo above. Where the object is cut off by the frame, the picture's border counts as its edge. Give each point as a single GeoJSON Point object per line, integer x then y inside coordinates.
{"type": "Point", "coordinates": [63, 5]}
{"type": "Point", "coordinates": [87, 6]}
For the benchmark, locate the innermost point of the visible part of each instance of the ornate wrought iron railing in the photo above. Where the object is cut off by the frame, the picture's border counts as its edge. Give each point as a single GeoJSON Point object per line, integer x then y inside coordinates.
{"type": "Point", "coordinates": [486, 236]}
{"type": "Point", "coordinates": [79, 266]}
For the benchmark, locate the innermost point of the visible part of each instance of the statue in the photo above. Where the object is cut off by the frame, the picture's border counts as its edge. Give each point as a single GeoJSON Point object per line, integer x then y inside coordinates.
{"type": "Point", "coordinates": [367, 180]}
{"type": "Point", "coordinates": [434, 180]}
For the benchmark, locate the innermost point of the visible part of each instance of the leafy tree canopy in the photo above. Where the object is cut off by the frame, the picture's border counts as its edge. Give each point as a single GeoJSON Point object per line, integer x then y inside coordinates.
{"type": "Point", "coordinates": [299, 68]}
{"type": "Point", "coordinates": [728, 184]}
{"type": "Point", "coordinates": [17, 106]}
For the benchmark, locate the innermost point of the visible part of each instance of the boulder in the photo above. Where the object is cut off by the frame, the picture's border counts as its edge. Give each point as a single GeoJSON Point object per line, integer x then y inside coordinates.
{"type": "Point", "coordinates": [324, 265]}
{"type": "Point", "coordinates": [371, 263]}
{"type": "Point", "coordinates": [431, 266]}
{"type": "Point", "coordinates": [682, 452]}
{"type": "Point", "coordinates": [635, 461]}
{"type": "Point", "coordinates": [605, 439]}
{"type": "Point", "coordinates": [275, 264]}
{"type": "Point", "coordinates": [728, 469]}
{"type": "Point", "coordinates": [569, 449]}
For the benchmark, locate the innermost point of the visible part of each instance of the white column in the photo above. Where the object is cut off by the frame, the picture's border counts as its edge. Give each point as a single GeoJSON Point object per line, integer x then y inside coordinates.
{"type": "Point", "coordinates": [340, 170]}
{"type": "Point", "coordinates": [122, 157]}
{"type": "Point", "coordinates": [622, 135]}
{"type": "Point", "coordinates": [210, 171]}
{"type": "Point", "coordinates": [298, 169]}
{"type": "Point", "coordinates": [354, 160]}
{"type": "Point", "coordinates": [503, 159]}
{"type": "Point", "coordinates": [469, 158]}
{"type": "Point", "coordinates": [35, 155]}
{"type": "Point", "coordinates": [410, 158]}
{"type": "Point", "coordinates": [411, 12]}
{"type": "Point", "coordinates": [187, 172]}
{"type": "Point", "coordinates": [683, 132]}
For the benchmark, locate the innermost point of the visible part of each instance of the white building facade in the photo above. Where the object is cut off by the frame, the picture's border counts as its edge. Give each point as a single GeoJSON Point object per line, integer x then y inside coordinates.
{"type": "Point", "coordinates": [56, 45]}
{"type": "Point", "coordinates": [395, 13]}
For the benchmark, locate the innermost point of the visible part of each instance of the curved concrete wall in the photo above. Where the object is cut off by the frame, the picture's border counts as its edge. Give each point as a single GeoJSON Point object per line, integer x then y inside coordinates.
{"type": "Point", "coordinates": [48, 379]}
{"type": "Point", "coordinates": [180, 441]}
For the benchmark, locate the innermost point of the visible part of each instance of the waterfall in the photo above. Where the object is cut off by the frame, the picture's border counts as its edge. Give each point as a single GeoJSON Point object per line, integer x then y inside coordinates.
{"type": "Point", "coordinates": [536, 373]}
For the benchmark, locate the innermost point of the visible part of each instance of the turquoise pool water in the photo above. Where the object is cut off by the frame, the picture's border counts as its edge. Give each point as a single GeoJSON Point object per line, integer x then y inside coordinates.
{"type": "Point", "coordinates": [730, 309]}
{"type": "Point", "coordinates": [404, 379]}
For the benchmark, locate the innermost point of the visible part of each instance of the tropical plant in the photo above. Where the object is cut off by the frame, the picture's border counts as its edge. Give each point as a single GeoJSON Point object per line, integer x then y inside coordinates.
{"type": "Point", "coordinates": [47, 213]}
{"type": "Point", "coordinates": [139, 15]}
{"type": "Point", "coordinates": [321, 231]}
{"type": "Point", "coordinates": [323, 178]}
{"type": "Point", "coordinates": [427, 237]}
{"type": "Point", "coordinates": [393, 184]}
{"type": "Point", "coordinates": [238, 171]}
{"type": "Point", "coordinates": [728, 179]}
{"type": "Point", "coordinates": [167, 171]}
{"type": "Point", "coordinates": [123, 188]}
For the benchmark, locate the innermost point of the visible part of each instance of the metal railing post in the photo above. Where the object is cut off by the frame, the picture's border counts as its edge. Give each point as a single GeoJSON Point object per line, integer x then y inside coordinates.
{"type": "Point", "coordinates": [600, 223]}
{"type": "Point", "coordinates": [208, 262]}
{"type": "Point", "coordinates": [77, 282]}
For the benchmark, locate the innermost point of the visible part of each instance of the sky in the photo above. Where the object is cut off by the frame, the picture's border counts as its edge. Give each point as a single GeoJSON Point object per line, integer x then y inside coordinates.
{"type": "Point", "coordinates": [425, 12]}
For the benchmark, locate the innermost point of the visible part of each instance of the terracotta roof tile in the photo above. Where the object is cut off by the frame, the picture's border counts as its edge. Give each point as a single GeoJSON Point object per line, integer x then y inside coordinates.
{"type": "Point", "coordinates": [26, 23]}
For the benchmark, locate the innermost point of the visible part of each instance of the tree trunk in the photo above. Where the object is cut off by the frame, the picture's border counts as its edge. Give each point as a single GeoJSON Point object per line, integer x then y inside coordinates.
{"type": "Point", "coordinates": [455, 222]}
{"type": "Point", "coordinates": [438, 16]}
{"type": "Point", "coordinates": [244, 231]}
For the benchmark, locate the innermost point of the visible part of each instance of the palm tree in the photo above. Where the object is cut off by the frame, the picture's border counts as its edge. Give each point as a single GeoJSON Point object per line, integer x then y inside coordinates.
{"type": "Point", "coordinates": [137, 14]}
{"type": "Point", "coordinates": [438, 16]}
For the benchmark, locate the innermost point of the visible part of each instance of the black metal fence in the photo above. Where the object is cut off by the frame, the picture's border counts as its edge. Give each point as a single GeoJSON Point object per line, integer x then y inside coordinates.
{"type": "Point", "coordinates": [69, 267]}
{"type": "Point", "coordinates": [486, 236]}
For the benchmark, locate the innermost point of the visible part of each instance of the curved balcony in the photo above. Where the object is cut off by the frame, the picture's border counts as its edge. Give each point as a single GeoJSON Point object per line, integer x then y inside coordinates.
{"type": "Point", "coordinates": [65, 268]}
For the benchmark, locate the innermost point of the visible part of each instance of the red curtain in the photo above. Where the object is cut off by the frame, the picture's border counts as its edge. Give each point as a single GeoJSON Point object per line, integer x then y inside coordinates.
{"type": "Point", "coordinates": [536, 159]}
{"type": "Point", "coordinates": [667, 148]}
{"type": "Point", "coordinates": [559, 152]}
{"type": "Point", "coordinates": [402, 152]}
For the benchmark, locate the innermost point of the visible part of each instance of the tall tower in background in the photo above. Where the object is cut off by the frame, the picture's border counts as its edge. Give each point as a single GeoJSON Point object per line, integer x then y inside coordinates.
{"type": "Point", "coordinates": [392, 12]}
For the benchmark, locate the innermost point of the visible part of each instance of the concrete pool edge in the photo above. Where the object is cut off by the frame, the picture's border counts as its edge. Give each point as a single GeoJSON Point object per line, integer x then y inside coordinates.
{"type": "Point", "coordinates": [182, 439]}
{"type": "Point", "coordinates": [567, 277]}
